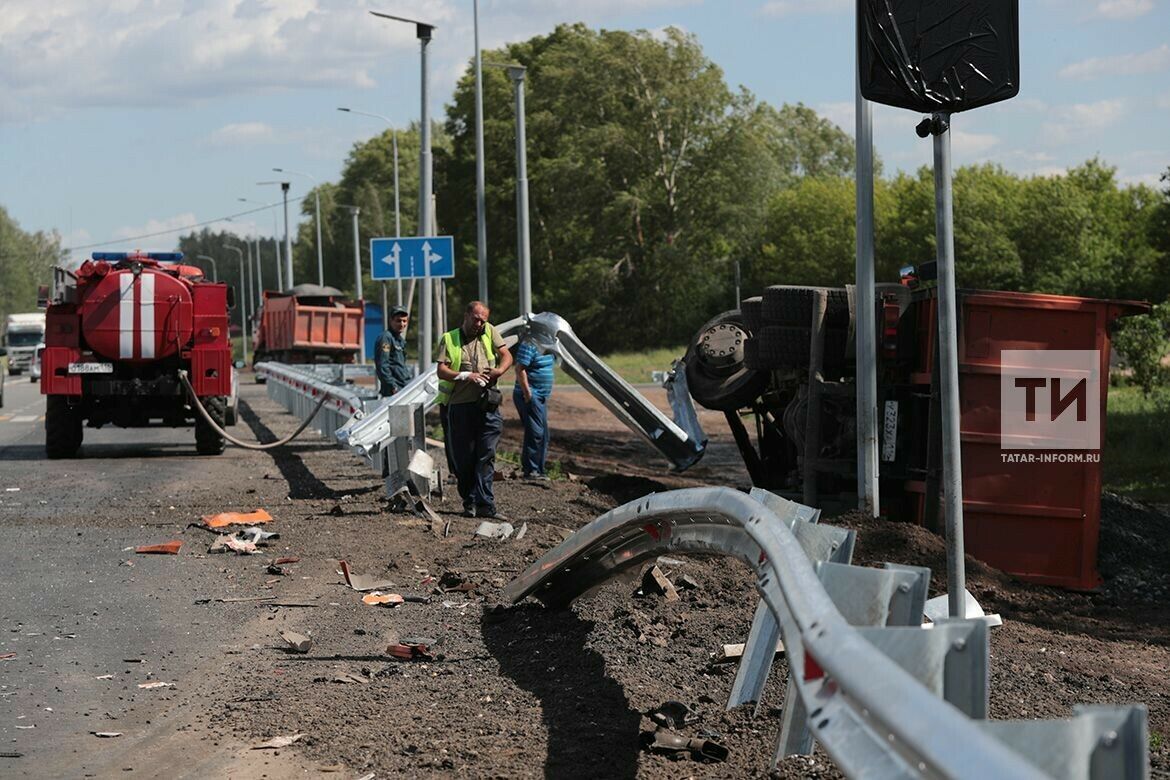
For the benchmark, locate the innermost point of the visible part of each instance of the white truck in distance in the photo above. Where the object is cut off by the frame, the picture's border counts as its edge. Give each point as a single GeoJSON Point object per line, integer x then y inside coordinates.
{"type": "Point", "coordinates": [23, 334]}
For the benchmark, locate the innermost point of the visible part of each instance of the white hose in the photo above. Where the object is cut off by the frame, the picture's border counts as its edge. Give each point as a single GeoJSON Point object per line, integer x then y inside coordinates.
{"type": "Point", "coordinates": [232, 439]}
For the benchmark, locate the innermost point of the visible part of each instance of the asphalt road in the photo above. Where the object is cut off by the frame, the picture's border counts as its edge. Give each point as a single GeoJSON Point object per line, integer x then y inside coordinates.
{"type": "Point", "coordinates": [84, 621]}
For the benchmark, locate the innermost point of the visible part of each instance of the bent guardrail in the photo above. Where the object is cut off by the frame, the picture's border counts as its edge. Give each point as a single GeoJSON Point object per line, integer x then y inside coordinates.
{"type": "Point", "coordinates": [886, 700]}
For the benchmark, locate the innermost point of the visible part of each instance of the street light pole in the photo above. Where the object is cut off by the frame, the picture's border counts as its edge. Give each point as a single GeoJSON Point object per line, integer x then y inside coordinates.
{"type": "Point", "coordinates": [317, 211]}
{"type": "Point", "coordinates": [354, 211]}
{"type": "Point", "coordinates": [214, 270]}
{"type": "Point", "coordinates": [423, 32]}
{"type": "Point", "coordinates": [243, 298]}
{"type": "Point", "coordinates": [480, 207]}
{"type": "Point", "coordinates": [397, 215]}
{"type": "Point", "coordinates": [517, 74]}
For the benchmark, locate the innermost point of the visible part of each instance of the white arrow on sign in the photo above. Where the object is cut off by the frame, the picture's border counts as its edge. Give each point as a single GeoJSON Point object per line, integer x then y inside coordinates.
{"type": "Point", "coordinates": [395, 251]}
{"type": "Point", "coordinates": [430, 257]}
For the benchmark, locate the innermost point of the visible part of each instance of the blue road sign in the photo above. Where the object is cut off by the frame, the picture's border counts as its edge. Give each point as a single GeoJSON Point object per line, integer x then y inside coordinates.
{"type": "Point", "coordinates": [412, 258]}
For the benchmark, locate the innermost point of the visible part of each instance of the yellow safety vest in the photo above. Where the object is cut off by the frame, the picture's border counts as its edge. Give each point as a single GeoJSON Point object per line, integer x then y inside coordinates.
{"type": "Point", "coordinates": [453, 345]}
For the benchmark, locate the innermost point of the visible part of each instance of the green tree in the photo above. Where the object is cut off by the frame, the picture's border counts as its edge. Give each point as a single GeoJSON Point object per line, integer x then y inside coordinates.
{"type": "Point", "coordinates": [26, 262]}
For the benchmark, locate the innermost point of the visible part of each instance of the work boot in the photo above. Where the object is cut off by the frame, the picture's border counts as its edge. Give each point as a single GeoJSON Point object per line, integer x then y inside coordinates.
{"type": "Point", "coordinates": [469, 510]}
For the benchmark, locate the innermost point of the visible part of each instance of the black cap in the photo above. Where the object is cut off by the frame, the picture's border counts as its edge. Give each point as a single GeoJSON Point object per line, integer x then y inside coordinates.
{"type": "Point", "coordinates": [398, 311]}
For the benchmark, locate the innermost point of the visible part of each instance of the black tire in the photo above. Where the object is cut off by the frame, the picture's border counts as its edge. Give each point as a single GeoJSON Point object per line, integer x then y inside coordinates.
{"type": "Point", "coordinates": [753, 313]}
{"type": "Point", "coordinates": [63, 433]}
{"type": "Point", "coordinates": [209, 441]}
{"type": "Point", "coordinates": [717, 376]}
{"type": "Point", "coordinates": [780, 347]}
{"type": "Point", "coordinates": [792, 306]}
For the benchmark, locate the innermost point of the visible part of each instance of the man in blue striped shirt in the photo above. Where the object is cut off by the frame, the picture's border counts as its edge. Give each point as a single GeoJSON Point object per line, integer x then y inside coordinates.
{"type": "Point", "coordinates": [534, 383]}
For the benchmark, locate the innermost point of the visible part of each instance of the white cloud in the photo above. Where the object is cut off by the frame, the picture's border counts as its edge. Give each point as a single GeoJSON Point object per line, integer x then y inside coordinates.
{"type": "Point", "coordinates": [777, 8]}
{"type": "Point", "coordinates": [1080, 120]}
{"type": "Point", "coordinates": [1151, 61]}
{"type": "Point", "coordinates": [156, 233]}
{"type": "Point", "coordinates": [240, 133]}
{"type": "Point", "coordinates": [972, 145]}
{"type": "Point", "coordinates": [1149, 179]}
{"type": "Point", "coordinates": [1124, 9]}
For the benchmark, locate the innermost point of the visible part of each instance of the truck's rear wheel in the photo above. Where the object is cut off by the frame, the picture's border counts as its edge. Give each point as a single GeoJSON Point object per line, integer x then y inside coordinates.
{"type": "Point", "coordinates": [209, 441]}
{"type": "Point", "coordinates": [717, 375]}
{"type": "Point", "coordinates": [62, 428]}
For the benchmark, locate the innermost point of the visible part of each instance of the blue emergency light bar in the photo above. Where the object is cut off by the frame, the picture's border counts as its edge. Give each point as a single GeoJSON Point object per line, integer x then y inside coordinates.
{"type": "Point", "coordinates": [162, 257]}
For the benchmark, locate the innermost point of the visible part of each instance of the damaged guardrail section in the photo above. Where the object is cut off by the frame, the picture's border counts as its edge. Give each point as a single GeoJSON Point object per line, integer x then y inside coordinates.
{"type": "Point", "coordinates": [884, 696]}
{"type": "Point", "coordinates": [299, 388]}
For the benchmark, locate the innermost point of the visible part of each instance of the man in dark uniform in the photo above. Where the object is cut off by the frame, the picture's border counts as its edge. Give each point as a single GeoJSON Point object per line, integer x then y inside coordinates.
{"type": "Point", "coordinates": [390, 354]}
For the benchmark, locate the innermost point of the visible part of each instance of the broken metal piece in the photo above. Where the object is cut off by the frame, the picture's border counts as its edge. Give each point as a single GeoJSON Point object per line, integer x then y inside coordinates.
{"type": "Point", "coordinates": [167, 548]}
{"type": "Point", "coordinates": [654, 581]}
{"type": "Point", "coordinates": [256, 535]}
{"type": "Point", "coordinates": [490, 530]}
{"type": "Point", "coordinates": [363, 582]}
{"type": "Point", "coordinates": [938, 609]}
{"type": "Point", "coordinates": [278, 742]}
{"type": "Point", "coordinates": [673, 714]}
{"type": "Point", "coordinates": [408, 650]}
{"type": "Point", "coordinates": [382, 599]}
{"type": "Point", "coordinates": [663, 740]}
{"type": "Point", "coordinates": [298, 642]}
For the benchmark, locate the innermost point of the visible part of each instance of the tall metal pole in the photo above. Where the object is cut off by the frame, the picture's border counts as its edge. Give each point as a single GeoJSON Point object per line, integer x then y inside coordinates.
{"type": "Point", "coordinates": [948, 328]}
{"type": "Point", "coordinates": [320, 249]}
{"type": "Point", "coordinates": [424, 199]}
{"type": "Point", "coordinates": [214, 270]}
{"type": "Point", "coordinates": [397, 216]}
{"type": "Point", "coordinates": [288, 264]}
{"type": "Point", "coordinates": [866, 342]}
{"type": "Point", "coordinates": [522, 242]}
{"type": "Point", "coordinates": [259, 277]}
{"type": "Point", "coordinates": [354, 211]}
{"type": "Point", "coordinates": [480, 207]}
{"type": "Point", "coordinates": [243, 297]}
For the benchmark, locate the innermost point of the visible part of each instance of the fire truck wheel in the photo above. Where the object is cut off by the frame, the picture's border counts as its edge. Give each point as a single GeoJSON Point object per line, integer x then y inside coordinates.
{"type": "Point", "coordinates": [62, 428]}
{"type": "Point", "coordinates": [717, 376]}
{"type": "Point", "coordinates": [791, 306]}
{"type": "Point", "coordinates": [209, 441]}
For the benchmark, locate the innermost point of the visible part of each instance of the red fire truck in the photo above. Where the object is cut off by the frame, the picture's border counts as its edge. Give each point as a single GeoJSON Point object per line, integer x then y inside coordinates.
{"type": "Point", "coordinates": [118, 333]}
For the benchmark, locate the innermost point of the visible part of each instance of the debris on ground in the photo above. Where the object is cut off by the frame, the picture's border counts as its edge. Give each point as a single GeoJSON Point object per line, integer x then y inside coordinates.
{"type": "Point", "coordinates": [106, 734]}
{"type": "Point", "coordinates": [10, 754]}
{"type": "Point", "coordinates": [167, 548]}
{"type": "Point", "coordinates": [523, 530]}
{"type": "Point", "coordinates": [279, 571]}
{"type": "Point", "coordinates": [454, 582]}
{"type": "Point", "coordinates": [734, 652]}
{"type": "Point", "coordinates": [257, 536]}
{"type": "Point", "coordinates": [224, 519]}
{"type": "Point", "coordinates": [152, 685]}
{"type": "Point", "coordinates": [664, 740]}
{"type": "Point", "coordinates": [382, 599]}
{"type": "Point", "coordinates": [417, 648]}
{"type": "Point", "coordinates": [238, 546]}
{"type": "Point", "coordinates": [490, 530]}
{"type": "Point", "coordinates": [654, 581]}
{"type": "Point", "coordinates": [363, 582]}
{"type": "Point", "coordinates": [7, 656]}
{"type": "Point", "coordinates": [299, 643]}
{"type": "Point", "coordinates": [686, 582]}
{"type": "Point", "coordinates": [343, 677]}
{"type": "Point", "coordinates": [278, 742]}
{"type": "Point", "coordinates": [673, 714]}
{"type": "Point", "coordinates": [286, 559]}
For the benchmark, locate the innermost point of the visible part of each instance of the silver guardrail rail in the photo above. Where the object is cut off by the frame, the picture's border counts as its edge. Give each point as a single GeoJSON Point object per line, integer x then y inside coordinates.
{"type": "Point", "coordinates": [885, 697]}
{"type": "Point", "coordinates": [299, 388]}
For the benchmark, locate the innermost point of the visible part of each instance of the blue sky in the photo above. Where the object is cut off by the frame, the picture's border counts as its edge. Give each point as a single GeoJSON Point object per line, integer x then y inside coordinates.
{"type": "Point", "coordinates": [134, 116]}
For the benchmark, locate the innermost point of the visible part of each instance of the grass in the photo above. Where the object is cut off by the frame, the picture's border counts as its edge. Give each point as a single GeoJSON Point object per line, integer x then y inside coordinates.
{"type": "Point", "coordinates": [553, 468]}
{"type": "Point", "coordinates": [634, 367]}
{"type": "Point", "coordinates": [1137, 448]}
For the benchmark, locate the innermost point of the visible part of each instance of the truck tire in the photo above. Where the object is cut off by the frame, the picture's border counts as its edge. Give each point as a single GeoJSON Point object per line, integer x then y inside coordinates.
{"type": "Point", "coordinates": [753, 313]}
{"type": "Point", "coordinates": [62, 428]}
{"type": "Point", "coordinates": [209, 441]}
{"type": "Point", "coordinates": [717, 376]}
{"type": "Point", "coordinates": [791, 306]}
{"type": "Point", "coordinates": [779, 347]}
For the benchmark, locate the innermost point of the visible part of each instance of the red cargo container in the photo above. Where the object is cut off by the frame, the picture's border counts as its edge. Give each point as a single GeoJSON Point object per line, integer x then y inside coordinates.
{"type": "Point", "coordinates": [309, 324]}
{"type": "Point", "coordinates": [1038, 521]}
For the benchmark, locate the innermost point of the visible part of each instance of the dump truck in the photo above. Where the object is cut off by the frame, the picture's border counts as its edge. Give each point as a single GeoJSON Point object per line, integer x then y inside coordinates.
{"type": "Point", "coordinates": [309, 323]}
{"type": "Point", "coordinates": [786, 385]}
{"type": "Point", "coordinates": [122, 333]}
{"type": "Point", "coordinates": [22, 334]}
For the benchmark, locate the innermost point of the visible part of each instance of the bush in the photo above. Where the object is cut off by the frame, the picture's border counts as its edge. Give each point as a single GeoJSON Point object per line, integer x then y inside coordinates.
{"type": "Point", "coordinates": [1142, 342]}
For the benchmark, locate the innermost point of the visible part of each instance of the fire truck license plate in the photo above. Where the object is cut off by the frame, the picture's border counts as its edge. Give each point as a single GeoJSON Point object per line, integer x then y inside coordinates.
{"type": "Point", "coordinates": [91, 368]}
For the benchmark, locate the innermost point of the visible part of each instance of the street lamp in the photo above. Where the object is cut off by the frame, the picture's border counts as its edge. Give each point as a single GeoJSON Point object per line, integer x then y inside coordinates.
{"type": "Point", "coordinates": [243, 298]}
{"type": "Point", "coordinates": [480, 208]}
{"type": "Point", "coordinates": [516, 73]}
{"type": "Point", "coordinates": [354, 211]}
{"type": "Point", "coordinates": [288, 271]}
{"type": "Point", "coordinates": [214, 270]}
{"type": "Point", "coordinates": [276, 248]}
{"type": "Point", "coordinates": [317, 200]}
{"type": "Point", "coordinates": [397, 219]}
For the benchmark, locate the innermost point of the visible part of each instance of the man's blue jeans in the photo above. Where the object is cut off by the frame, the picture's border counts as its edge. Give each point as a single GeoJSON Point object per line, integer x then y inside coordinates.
{"type": "Point", "coordinates": [534, 418]}
{"type": "Point", "coordinates": [473, 438]}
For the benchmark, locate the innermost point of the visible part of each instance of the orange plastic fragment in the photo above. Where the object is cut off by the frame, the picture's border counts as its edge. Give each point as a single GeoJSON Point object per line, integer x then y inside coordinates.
{"type": "Point", "coordinates": [236, 518]}
{"type": "Point", "coordinates": [393, 599]}
{"type": "Point", "coordinates": [167, 548]}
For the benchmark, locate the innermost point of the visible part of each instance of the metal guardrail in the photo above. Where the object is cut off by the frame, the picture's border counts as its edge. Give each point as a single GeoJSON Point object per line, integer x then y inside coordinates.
{"type": "Point", "coordinates": [299, 388]}
{"type": "Point", "coordinates": [885, 697]}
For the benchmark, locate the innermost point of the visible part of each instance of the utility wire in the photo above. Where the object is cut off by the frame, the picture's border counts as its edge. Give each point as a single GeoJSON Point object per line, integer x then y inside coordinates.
{"type": "Point", "coordinates": [228, 218]}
